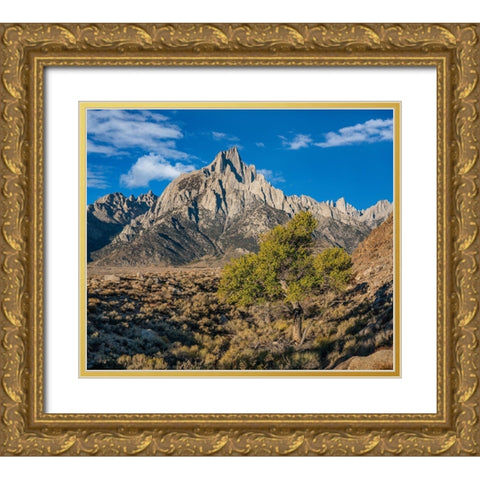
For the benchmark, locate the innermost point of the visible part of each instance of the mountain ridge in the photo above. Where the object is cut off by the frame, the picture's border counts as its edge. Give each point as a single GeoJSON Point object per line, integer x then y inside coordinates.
{"type": "Point", "coordinates": [216, 211]}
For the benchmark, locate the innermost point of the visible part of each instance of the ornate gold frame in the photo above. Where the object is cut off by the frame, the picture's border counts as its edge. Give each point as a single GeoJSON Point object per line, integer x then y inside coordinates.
{"type": "Point", "coordinates": [27, 49]}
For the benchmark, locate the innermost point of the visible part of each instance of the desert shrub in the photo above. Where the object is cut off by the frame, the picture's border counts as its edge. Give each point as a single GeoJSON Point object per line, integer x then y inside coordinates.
{"type": "Point", "coordinates": [282, 325]}
{"type": "Point", "coordinates": [356, 325]}
{"type": "Point", "coordinates": [364, 347]}
{"type": "Point", "coordinates": [323, 345]}
{"type": "Point", "coordinates": [210, 361]}
{"type": "Point", "coordinates": [384, 338]}
{"type": "Point", "coordinates": [332, 331]}
{"type": "Point", "coordinates": [185, 352]}
{"type": "Point", "coordinates": [108, 292]}
{"type": "Point", "coordinates": [345, 325]}
{"type": "Point", "coordinates": [302, 361]}
{"type": "Point", "coordinates": [128, 306]}
{"type": "Point", "coordinates": [93, 304]}
{"type": "Point", "coordinates": [140, 361]}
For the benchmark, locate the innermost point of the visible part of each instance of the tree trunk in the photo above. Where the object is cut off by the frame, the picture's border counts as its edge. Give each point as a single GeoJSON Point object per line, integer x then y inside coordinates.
{"type": "Point", "coordinates": [297, 312]}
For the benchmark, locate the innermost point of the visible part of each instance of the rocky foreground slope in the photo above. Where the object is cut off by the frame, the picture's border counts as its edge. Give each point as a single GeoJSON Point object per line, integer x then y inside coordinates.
{"type": "Point", "coordinates": [373, 300]}
{"type": "Point", "coordinates": [213, 213]}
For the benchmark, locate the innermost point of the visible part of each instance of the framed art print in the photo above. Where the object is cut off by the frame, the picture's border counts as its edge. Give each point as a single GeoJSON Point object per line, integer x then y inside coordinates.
{"type": "Point", "coordinates": [239, 239]}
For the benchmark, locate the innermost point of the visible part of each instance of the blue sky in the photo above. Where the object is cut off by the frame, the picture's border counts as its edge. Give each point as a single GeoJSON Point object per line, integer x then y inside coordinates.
{"type": "Point", "coordinates": [326, 154]}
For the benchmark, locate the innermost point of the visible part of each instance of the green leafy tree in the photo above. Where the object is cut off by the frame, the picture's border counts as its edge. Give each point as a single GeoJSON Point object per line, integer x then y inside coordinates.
{"type": "Point", "coordinates": [285, 270]}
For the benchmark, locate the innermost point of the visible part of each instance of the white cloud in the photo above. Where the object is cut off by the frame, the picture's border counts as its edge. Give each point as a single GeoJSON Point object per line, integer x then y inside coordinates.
{"type": "Point", "coordinates": [112, 130]}
{"type": "Point", "coordinates": [152, 167]}
{"type": "Point", "coordinates": [260, 144]}
{"type": "Point", "coordinates": [221, 136]}
{"type": "Point", "coordinates": [97, 148]}
{"type": "Point", "coordinates": [218, 135]}
{"type": "Point", "coordinates": [299, 141]}
{"type": "Point", "coordinates": [271, 176]}
{"type": "Point", "coordinates": [372, 131]}
{"type": "Point", "coordinates": [96, 178]}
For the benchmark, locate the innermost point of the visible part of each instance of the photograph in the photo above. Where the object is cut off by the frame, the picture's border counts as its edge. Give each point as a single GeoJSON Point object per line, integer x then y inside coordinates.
{"type": "Point", "coordinates": [241, 237]}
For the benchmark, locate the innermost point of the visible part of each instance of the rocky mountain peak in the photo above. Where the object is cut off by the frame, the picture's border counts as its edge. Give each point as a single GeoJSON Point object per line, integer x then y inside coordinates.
{"type": "Point", "coordinates": [229, 162]}
{"type": "Point", "coordinates": [379, 211]}
{"type": "Point", "coordinates": [344, 207]}
{"type": "Point", "coordinates": [148, 198]}
{"type": "Point", "coordinates": [111, 213]}
{"type": "Point", "coordinates": [215, 211]}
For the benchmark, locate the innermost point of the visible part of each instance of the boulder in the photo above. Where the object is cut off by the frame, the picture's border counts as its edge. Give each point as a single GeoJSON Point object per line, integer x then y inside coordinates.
{"type": "Point", "coordinates": [379, 360]}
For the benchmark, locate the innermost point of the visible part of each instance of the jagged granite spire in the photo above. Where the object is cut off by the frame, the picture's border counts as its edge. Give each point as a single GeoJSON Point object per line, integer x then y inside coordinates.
{"type": "Point", "coordinates": [345, 207]}
{"type": "Point", "coordinates": [230, 161]}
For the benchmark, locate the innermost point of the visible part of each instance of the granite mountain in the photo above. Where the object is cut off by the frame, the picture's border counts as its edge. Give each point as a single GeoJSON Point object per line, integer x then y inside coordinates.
{"type": "Point", "coordinates": [212, 214]}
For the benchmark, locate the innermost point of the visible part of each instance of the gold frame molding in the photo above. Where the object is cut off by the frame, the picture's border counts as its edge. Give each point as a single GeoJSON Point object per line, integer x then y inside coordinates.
{"type": "Point", "coordinates": [26, 50]}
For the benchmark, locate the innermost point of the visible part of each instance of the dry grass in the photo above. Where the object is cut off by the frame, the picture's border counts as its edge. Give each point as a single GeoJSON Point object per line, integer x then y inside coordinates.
{"type": "Point", "coordinates": [173, 319]}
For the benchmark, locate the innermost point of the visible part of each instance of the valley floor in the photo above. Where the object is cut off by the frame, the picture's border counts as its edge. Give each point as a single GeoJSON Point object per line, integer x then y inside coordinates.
{"type": "Point", "coordinates": [171, 318]}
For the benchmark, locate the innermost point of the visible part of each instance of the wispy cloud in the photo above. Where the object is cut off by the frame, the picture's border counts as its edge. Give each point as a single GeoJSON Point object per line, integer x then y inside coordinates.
{"type": "Point", "coordinates": [218, 135]}
{"type": "Point", "coordinates": [222, 136]}
{"type": "Point", "coordinates": [110, 131]}
{"type": "Point", "coordinates": [372, 131]}
{"type": "Point", "coordinates": [97, 178]}
{"type": "Point", "coordinates": [272, 177]}
{"type": "Point", "coordinates": [98, 148]}
{"type": "Point", "coordinates": [260, 144]}
{"type": "Point", "coordinates": [298, 141]}
{"type": "Point", "coordinates": [153, 167]}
